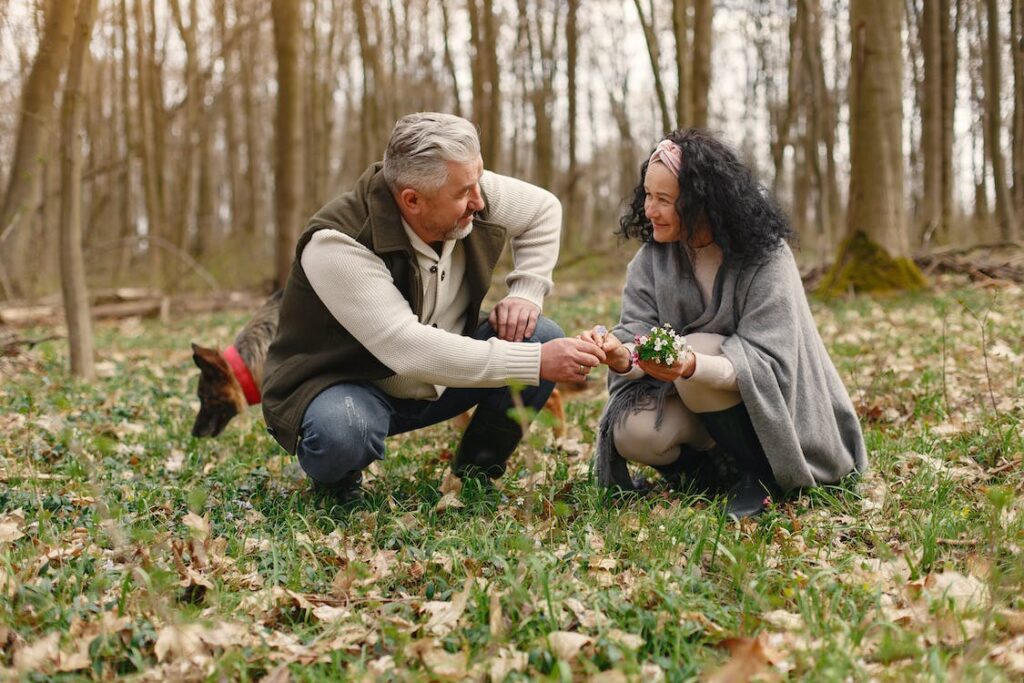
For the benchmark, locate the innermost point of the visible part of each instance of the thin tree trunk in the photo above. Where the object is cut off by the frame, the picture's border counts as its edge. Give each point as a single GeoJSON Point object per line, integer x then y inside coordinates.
{"type": "Point", "coordinates": [371, 109]}
{"type": "Point", "coordinates": [449, 62]}
{"type": "Point", "coordinates": [254, 223]}
{"type": "Point", "coordinates": [24, 181]}
{"type": "Point", "coordinates": [570, 235]}
{"type": "Point", "coordinates": [185, 200]}
{"type": "Point", "coordinates": [287, 161]}
{"type": "Point", "coordinates": [492, 141]}
{"type": "Point", "coordinates": [1017, 48]}
{"type": "Point", "coordinates": [150, 166]}
{"type": "Point", "coordinates": [948, 38]}
{"type": "Point", "coordinates": [702, 30]}
{"type": "Point", "coordinates": [930, 214]}
{"type": "Point", "coordinates": [651, 38]}
{"type": "Point", "coordinates": [794, 79]}
{"type": "Point", "coordinates": [994, 124]}
{"type": "Point", "coordinates": [128, 151]}
{"type": "Point", "coordinates": [72, 264]}
{"type": "Point", "coordinates": [681, 29]}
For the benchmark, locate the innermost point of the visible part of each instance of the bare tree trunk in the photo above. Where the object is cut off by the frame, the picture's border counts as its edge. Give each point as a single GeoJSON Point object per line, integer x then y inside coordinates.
{"type": "Point", "coordinates": [681, 29]}
{"type": "Point", "coordinates": [227, 103]}
{"type": "Point", "coordinates": [72, 265]}
{"type": "Point", "coordinates": [372, 109]}
{"type": "Point", "coordinates": [702, 28]}
{"type": "Point", "coordinates": [570, 235]}
{"type": "Point", "coordinates": [287, 161]}
{"type": "Point", "coordinates": [37, 112]}
{"type": "Point", "coordinates": [930, 210]}
{"type": "Point", "coordinates": [948, 38]}
{"type": "Point", "coordinates": [128, 151]}
{"type": "Point", "coordinates": [876, 252]}
{"type": "Point", "coordinates": [651, 38]}
{"type": "Point", "coordinates": [194, 95]}
{"type": "Point", "coordinates": [151, 174]}
{"type": "Point", "coordinates": [820, 127]}
{"type": "Point", "coordinates": [784, 114]}
{"type": "Point", "coordinates": [254, 221]}
{"type": "Point", "coordinates": [994, 124]}
{"type": "Point", "coordinates": [492, 142]}
{"type": "Point", "coordinates": [449, 62]}
{"type": "Point", "coordinates": [1017, 48]}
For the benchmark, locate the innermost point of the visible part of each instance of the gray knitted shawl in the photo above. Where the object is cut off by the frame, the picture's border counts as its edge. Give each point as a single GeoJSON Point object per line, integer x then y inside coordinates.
{"type": "Point", "coordinates": [798, 405]}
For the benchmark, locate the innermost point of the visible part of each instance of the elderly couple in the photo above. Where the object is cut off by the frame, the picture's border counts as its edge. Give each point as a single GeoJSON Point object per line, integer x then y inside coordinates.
{"type": "Point", "coordinates": [380, 331]}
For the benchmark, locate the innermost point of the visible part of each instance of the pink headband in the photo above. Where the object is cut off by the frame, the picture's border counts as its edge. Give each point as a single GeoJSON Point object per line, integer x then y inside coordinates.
{"type": "Point", "coordinates": [668, 153]}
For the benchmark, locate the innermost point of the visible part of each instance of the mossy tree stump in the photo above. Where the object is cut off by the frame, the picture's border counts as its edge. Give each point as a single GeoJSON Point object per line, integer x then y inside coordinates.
{"type": "Point", "coordinates": [864, 266]}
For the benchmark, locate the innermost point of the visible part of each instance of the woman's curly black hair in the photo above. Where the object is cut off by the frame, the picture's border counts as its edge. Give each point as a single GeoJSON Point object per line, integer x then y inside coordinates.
{"type": "Point", "coordinates": [744, 218]}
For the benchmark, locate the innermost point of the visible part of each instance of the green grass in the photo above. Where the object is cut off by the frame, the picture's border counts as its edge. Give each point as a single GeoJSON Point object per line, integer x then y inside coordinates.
{"type": "Point", "coordinates": [127, 547]}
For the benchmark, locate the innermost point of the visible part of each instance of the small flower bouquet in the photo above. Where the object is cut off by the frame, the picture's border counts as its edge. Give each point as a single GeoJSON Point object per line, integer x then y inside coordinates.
{"type": "Point", "coordinates": [662, 345]}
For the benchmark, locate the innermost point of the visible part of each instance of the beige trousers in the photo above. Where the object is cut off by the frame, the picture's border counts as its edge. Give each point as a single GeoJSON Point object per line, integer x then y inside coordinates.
{"type": "Point", "coordinates": [638, 440]}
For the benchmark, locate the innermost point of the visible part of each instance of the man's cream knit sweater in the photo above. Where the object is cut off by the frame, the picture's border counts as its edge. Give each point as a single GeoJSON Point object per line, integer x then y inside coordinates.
{"type": "Point", "coordinates": [429, 354]}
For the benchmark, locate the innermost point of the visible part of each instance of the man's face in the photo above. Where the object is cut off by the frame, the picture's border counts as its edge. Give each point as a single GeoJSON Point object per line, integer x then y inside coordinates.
{"type": "Point", "coordinates": [448, 213]}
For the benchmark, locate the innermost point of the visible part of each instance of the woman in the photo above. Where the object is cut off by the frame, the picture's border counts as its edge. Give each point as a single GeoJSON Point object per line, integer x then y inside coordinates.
{"type": "Point", "coordinates": [758, 384]}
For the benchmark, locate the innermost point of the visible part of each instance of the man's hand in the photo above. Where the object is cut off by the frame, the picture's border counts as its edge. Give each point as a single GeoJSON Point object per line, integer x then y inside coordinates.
{"type": "Point", "coordinates": [514, 319]}
{"type": "Point", "coordinates": [568, 359]}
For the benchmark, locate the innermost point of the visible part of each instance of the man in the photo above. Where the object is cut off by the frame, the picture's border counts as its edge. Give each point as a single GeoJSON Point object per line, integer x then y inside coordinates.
{"type": "Point", "coordinates": [379, 331]}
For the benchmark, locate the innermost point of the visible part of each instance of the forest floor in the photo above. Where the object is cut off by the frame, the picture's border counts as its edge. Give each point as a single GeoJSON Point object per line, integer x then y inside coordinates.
{"type": "Point", "coordinates": [130, 548]}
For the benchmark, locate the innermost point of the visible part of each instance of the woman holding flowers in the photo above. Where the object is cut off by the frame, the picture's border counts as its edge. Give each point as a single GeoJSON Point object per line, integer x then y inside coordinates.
{"type": "Point", "coordinates": [716, 357]}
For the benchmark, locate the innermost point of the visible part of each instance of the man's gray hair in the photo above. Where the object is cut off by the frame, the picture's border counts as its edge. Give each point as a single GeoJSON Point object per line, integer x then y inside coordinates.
{"type": "Point", "coordinates": [421, 146]}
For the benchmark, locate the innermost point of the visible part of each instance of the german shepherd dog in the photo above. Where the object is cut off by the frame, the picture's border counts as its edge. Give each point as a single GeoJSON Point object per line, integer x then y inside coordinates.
{"type": "Point", "coordinates": [230, 380]}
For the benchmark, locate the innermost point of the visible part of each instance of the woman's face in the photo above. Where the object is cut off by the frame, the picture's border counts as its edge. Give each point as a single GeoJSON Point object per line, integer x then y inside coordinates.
{"type": "Point", "coordinates": [662, 189]}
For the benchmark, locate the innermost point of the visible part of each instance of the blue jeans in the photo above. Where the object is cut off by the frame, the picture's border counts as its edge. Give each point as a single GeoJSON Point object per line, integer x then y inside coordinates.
{"type": "Point", "coordinates": [344, 427]}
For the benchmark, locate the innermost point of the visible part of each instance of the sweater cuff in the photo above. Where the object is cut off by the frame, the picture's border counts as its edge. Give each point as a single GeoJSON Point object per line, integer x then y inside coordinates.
{"type": "Point", "coordinates": [717, 372]}
{"type": "Point", "coordinates": [522, 362]}
{"type": "Point", "coordinates": [529, 289]}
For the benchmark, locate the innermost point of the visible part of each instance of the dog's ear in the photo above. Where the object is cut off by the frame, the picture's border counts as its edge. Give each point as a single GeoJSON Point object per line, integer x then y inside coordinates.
{"type": "Point", "coordinates": [208, 360]}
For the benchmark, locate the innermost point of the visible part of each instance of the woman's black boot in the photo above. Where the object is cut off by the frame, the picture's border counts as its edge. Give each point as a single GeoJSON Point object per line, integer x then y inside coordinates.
{"type": "Point", "coordinates": [734, 433]}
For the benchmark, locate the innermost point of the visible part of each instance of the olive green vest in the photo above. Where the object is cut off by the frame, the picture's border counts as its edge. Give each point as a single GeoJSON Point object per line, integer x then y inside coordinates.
{"type": "Point", "coordinates": [312, 350]}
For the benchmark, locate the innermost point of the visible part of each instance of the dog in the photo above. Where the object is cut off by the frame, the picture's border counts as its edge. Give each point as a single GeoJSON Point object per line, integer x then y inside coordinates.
{"type": "Point", "coordinates": [230, 380]}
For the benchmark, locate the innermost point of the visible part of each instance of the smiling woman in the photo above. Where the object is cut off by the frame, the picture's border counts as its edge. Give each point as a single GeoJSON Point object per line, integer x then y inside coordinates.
{"type": "Point", "coordinates": [757, 393]}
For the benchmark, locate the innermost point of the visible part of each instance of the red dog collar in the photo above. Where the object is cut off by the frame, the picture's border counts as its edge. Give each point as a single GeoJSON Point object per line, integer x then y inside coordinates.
{"type": "Point", "coordinates": [242, 374]}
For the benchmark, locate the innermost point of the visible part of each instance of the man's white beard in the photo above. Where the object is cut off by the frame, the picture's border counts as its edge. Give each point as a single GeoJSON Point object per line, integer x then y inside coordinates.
{"type": "Point", "coordinates": [458, 233]}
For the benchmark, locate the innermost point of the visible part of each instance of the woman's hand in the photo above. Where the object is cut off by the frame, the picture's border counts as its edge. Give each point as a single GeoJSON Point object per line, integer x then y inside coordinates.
{"type": "Point", "coordinates": [617, 354]}
{"type": "Point", "coordinates": [682, 368]}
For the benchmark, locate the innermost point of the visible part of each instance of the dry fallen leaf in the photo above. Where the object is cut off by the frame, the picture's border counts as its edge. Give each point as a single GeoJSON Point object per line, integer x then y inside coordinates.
{"type": "Point", "coordinates": [40, 655]}
{"type": "Point", "coordinates": [507, 661]}
{"type": "Point", "coordinates": [11, 526]}
{"type": "Point", "coordinates": [441, 663]}
{"type": "Point", "coordinates": [567, 644]}
{"type": "Point", "coordinates": [588, 618]}
{"type": "Point", "coordinates": [178, 640]}
{"type": "Point", "coordinates": [496, 619]}
{"type": "Point", "coordinates": [783, 620]}
{"type": "Point", "coordinates": [444, 616]}
{"type": "Point", "coordinates": [630, 640]}
{"type": "Point", "coordinates": [749, 656]}
{"type": "Point", "coordinates": [199, 526]}
{"type": "Point", "coordinates": [964, 591]}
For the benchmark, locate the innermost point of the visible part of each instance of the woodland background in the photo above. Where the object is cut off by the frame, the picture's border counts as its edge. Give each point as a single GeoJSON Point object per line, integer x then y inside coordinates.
{"type": "Point", "coordinates": [158, 156]}
{"type": "Point", "coordinates": [183, 143]}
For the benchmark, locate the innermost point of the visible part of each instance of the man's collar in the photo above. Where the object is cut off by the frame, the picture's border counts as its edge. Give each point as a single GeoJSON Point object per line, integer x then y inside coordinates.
{"type": "Point", "coordinates": [384, 216]}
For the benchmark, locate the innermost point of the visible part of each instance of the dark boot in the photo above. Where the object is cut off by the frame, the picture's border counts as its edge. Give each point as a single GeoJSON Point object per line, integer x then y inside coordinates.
{"type": "Point", "coordinates": [348, 490]}
{"type": "Point", "coordinates": [488, 442]}
{"type": "Point", "coordinates": [733, 431]}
